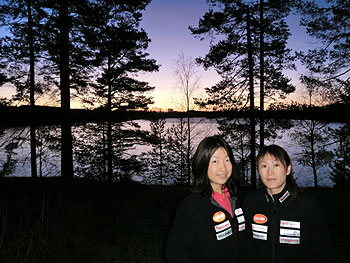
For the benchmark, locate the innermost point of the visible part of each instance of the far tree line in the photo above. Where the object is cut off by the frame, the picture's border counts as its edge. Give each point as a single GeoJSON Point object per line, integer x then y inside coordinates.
{"type": "Point", "coordinates": [91, 51]}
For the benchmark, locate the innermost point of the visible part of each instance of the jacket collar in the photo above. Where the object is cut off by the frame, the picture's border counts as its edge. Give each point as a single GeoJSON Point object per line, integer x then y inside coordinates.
{"type": "Point", "coordinates": [280, 197]}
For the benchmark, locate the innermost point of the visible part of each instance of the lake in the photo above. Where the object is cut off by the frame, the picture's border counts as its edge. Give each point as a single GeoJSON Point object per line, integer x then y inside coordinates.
{"type": "Point", "coordinates": [49, 157]}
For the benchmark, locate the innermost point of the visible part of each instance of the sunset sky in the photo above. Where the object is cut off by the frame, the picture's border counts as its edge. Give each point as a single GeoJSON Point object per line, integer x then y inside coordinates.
{"type": "Point", "coordinates": [167, 22]}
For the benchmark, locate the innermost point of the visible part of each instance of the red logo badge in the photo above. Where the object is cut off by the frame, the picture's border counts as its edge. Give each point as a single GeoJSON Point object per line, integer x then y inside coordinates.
{"type": "Point", "coordinates": [219, 217]}
{"type": "Point", "coordinates": [259, 218]}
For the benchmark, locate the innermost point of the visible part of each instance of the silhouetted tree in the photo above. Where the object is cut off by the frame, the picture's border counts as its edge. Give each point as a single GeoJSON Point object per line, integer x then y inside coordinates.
{"type": "Point", "coordinates": [22, 18]}
{"type": "Point", "coordinates": [236, 55]}
{"type": "Point", "coordinates": [328, 23]}
{"type": "Point", "coordinates": [157, 157]}
{"type": "Point", "coordinates": [311, 136]}
{"type": "Point", "coordinates": [187, 84]}
{"type": "Point", "coordinates": [341, 162]}
{"type": "Point", "coordinates": [118, 45]}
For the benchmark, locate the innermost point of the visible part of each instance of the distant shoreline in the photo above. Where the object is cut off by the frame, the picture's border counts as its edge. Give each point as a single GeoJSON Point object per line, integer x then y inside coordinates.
{"type": "Point", "coordinates": [26, 115]}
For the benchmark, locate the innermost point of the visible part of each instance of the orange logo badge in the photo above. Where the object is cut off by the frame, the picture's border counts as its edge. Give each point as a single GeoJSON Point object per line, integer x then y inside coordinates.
{"type": "Point", "coordinates": [219, 217]}
{"type": "Point", "coordinates": [259, 218]}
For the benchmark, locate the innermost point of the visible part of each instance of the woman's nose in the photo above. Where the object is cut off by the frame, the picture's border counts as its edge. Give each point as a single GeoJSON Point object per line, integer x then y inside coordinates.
{"type": "Point", "coordinates": [223, 166]}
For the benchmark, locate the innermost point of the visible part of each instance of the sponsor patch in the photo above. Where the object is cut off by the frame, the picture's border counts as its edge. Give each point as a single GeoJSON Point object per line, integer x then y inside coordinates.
{"type": "Point", "coordinates": [292, 224]}
{"type": "Point", "coordinates": [241, 227]}
{"type": "Point", "coordinates": [224, 234]}
{"type": "Point", "coordinates": [259, 218]}
{"type": "Point", "coordinates": [240, 219]}
{"type": "Point", "coordinates": [290, 240]}
{"type": "Point", "coordinates": [259, 228]}
{"type": "Point", "coordinates": [238, 211]}
{"type": "Point", "coordinates": [290, 232]}
{"type": "Point", "coordinates": [222, 226]}
{"type": "Point", "coordinates": [218, 217]}
{"type": "Point", "coordinates": [261, 236]}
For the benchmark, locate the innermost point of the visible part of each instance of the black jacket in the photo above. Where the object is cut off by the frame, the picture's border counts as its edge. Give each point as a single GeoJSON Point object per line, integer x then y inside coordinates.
{"type": "Point", "coordinates": [196, 237]}
{"type": "Point", "coordinates": [285, 230]}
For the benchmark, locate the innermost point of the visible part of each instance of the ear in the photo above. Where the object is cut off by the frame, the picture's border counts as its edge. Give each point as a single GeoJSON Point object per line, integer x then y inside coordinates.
{"type": "Point", "coordinates": [289, 169]}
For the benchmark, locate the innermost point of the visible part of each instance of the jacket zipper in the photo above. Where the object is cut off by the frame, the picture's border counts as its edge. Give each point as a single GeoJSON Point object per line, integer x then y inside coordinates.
{"type": "Point", "coordinates": [274, 231]}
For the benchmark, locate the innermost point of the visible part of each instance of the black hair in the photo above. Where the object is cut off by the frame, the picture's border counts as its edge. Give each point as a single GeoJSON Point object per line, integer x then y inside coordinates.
{"type": "Point", "coordinates": [200, 164]}
{"type": "Point", "coordinates": [282, 155]}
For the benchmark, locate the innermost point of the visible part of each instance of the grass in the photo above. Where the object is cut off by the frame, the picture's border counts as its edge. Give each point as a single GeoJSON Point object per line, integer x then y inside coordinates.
{"type": "Point", "coordinates": [51, 220]}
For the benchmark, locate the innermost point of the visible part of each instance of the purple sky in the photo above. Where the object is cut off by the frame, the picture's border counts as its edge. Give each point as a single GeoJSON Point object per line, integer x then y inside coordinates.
{"type": "Point", "coordinates": [167, 21]}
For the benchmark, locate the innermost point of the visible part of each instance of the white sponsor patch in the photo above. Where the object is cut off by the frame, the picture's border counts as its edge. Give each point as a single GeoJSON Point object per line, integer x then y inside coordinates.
{"type": "Point", "coordinates": [240, 219]}
{"type": "Point", "coordinates": [224, 234]}
{"type": "Point", "coordinates": [292, 224]}
{"type": "Point", "coordinates": [260, 228]}
{"type": "Point", "coordinates": [290, 232]}
{"type": "Point", "coordinates": [241, 227]}
{"type": "Point", "coordinates": [222, 226]}
{"type": "Point", "coordinates": [261, 236]}
{"type": "Point", "coordinates": [290, 240]}
{"type": "Point", "coordinates": [238, 211]}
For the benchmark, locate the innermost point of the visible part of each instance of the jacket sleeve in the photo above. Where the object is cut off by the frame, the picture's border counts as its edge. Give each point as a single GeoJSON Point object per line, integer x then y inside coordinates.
{"type": "Point", "coordinates": [182, 234]}
{"type": "Point", "coordinates": [322, 251]}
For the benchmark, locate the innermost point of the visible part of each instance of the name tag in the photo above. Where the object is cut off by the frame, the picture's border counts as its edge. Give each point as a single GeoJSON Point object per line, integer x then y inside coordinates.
{"type": "Point", "coordinates": [290, 240]}
{"type": "Point", "coordinates": [222, 226]}
{"type": "Point", "coordinates": [260, 228]}
{"type": "Point", "coordinates": [241, 227]}
{"type": "Point", "coordinates": [240, 219]}
{"type": "Point", "coordinates": [292, 224]}
{"type": "Point", "coordinates": [290, 232]}
{"type": "Point", "coordinates": [238, 211]}
{"type": "Point", "coordinates": [261, 236]}
{"type": "Point", "coordinates": [224, 234]}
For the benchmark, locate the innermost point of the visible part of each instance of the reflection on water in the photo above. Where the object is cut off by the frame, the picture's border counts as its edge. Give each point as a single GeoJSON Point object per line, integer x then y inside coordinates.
{"type": "Point", "coordinates": [49, 155]}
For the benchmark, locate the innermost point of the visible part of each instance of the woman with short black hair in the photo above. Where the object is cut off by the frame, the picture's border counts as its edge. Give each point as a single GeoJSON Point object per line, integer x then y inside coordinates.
{"type": "Point", "coordinates": [284, 224]}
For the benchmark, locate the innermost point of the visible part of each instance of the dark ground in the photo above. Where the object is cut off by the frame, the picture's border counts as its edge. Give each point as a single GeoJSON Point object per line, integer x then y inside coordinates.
{"type": "Point", "coordinates": [51, 220]}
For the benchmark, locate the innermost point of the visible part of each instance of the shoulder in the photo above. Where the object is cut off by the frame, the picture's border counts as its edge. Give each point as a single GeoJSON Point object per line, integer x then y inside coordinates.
{"type": "Point", "coordinates": [307, 205]}
{"type": "Point", "coordinates": [307, 200]}
{"type": "Point", "coordinates": [194, 200]}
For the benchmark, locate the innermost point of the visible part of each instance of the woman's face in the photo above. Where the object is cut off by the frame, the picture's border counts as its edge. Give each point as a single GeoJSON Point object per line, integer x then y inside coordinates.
{"type": "Point", "coordinates": [273, 173]}
{"type": "Point", "coordinates": [219, 169]}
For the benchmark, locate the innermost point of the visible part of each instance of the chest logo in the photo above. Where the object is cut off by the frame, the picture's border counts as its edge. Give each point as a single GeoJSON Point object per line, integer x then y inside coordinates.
{"type": "Point", "coordinates": [219, 217]}
{"type": "Point", "coordinates": [259, 218]}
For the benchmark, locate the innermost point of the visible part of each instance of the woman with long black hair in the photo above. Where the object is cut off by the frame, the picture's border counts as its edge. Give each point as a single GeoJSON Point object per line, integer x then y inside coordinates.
{"type": "Point", "coordinates": [209, 220]}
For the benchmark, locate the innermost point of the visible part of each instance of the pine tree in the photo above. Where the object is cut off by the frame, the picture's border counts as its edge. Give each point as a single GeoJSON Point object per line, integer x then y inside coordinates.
{"type": "Point", "coordinates": [328, 63]}
{"type": "Point", "coordinates": [237, 55]}
{"type": "Point", "coordinates": [341, 161]}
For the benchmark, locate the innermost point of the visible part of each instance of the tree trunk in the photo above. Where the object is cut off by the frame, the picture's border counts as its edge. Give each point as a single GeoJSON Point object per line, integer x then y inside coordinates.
{"type": "Point", "coordinates": [251, 94]}
{"type": "Point", "coordinates": [188, 159]}
{"type": "Point", "coordinates": [109, 127]}
{"type": "Point", "coordinates": [160, 160]}
{"type": "Point", "coordinates": [66, 141]}
{"type": "Point", "coordinates": [262, 68]}
{"type": "Point", "coordinates": [109, 152]}
{"type": "Point", "coordinates": [33, 155]}
{"type": "Point", "coordinates": [313, 155]}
